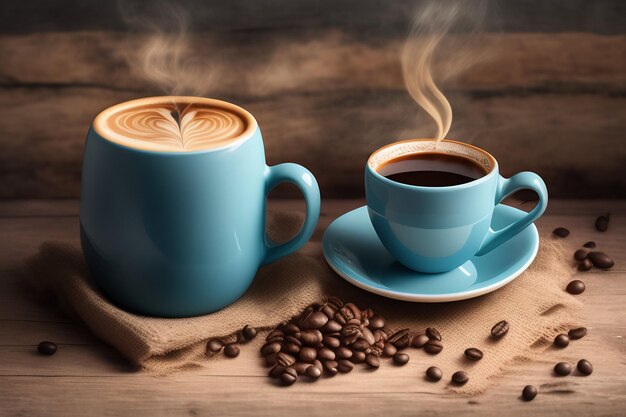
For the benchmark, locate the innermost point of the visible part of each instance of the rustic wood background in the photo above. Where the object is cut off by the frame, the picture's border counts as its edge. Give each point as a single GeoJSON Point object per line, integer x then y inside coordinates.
{"type": "Point", "coordinates": [323, 79]}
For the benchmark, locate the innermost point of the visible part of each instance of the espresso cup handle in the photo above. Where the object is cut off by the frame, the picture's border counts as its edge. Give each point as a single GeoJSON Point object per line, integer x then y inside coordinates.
{"type": "Point", "coordinates": [506, 187]}
{"type": "Point", "coordinates": [305, 181]}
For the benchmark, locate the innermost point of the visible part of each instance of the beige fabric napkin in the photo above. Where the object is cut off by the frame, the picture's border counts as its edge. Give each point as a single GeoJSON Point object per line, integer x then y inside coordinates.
{"type": "Point", "coordinates": [535, 305]}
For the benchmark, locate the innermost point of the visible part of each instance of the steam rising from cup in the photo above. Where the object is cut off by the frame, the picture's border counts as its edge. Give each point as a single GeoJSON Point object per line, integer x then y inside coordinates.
{"type": "Point", "coordinates": [166, 57]}
{"type": "Point", "coordinates": [429, 31]}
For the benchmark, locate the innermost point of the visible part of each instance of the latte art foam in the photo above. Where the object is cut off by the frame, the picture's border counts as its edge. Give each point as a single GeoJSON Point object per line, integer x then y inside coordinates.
{"type": "Point", "coordinates": [172, 127]}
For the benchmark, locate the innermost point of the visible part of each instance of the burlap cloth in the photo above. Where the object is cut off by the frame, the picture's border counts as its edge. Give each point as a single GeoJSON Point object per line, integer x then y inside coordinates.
{"type": "Point", "coordinates": [535, 305]}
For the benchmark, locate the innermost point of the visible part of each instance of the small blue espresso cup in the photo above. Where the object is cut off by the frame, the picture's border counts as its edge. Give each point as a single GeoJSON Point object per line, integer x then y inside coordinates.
{"type": "Point", "coordinates": [436, 229]}
{"type": "Point", "coordinates": [178, 233]}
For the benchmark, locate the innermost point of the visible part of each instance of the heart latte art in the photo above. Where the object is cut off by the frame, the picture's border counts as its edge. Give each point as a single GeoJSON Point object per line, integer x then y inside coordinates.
{"type": "Point", "coordinates": [171, 127]}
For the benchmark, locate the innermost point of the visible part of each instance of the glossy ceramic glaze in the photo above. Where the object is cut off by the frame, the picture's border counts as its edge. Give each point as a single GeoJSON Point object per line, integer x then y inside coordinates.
{"type": "Point", "coordinates": [180, 234]}
{"type": "Point", "coordinates": [436, 229]}
{"type": "Point", "coordinates": [353, 249]}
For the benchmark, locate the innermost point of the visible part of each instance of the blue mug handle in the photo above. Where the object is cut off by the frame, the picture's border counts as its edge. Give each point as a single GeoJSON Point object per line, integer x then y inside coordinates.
{"type": "Point", "coordinates": [506, 187]}
{"type": "Point", "coordinates": [306, 183]}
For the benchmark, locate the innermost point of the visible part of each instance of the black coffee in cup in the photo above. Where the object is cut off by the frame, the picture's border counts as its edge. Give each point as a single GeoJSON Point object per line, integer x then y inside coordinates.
{"type": "Point", "coordinates": [432, 169]}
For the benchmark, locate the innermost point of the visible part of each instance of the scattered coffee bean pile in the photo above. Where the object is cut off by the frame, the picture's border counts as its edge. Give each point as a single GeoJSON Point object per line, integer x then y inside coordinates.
{"type": "Point", "coordinates": [332, 337]}
{"type": "Point", "coordinates": [561, 341]}
{"type": "Point", "coordinates": [585, 257]}
{"type": "Point", "coordinates": [231, 350]}
{"type": "Point", "coordinates": [588, 259]}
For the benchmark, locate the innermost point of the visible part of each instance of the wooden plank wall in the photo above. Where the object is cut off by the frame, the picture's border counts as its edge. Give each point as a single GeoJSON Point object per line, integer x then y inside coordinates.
{"type": "Point", "coordinates": [323, 79]}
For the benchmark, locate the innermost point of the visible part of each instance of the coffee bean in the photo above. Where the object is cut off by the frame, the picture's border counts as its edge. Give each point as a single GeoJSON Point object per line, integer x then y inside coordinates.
{"type": "Point", "coordinates": [561, 341]}
{"type": "Point", "coordinates": [500, 329]}
{"type": "Point", "coordinates": [358, 356]}
{"type": "Point", "coordinates": [602, 223]}
{"type": "Point", "coordinates": [351, 332]}
{"type": "Point", "coordinates": [275, 333]}
{"type": "Point", "coordinates": [214, 345]}
{"type": "Point", "coordinates": [291, 329]}
{"type": "Point", "coordinates": [368, 336]}
{"type": "Point", "coordinates": [585, 265]}
{"type": "Point", "coordinates": [356, 312]}
{"type": "Point", "coordinates": [560, 232]}
{"type": "Point", "coordinates": [372, 360]}
{"type": "Point", "coordinates": [326, 354]}
{"type": "Point", "coordinates": [577, 333]}
{"type": "Point", "coordinates": [433, 334]}
{"type": "Point", "coordinates": [581, 254]}
{"type": "Point", "coordinates": [276, 371]}
{"type": "Point", "coordinates": [293, 339]}
{"type": "Point", "coordinates": [313, 372]}
{"type": "Point", "coordinates": [376, 348]}
{"type": "Point", "coordinates": [460, 378]}
{"type": "Point", "coordinates": [291, 348]}
{"type": "Point", "coordinates": [389, 350]}
{"type": "Point", "coordinates": [380, 334]}
{"type": "Point", "coordinates": [315, 320]}
{"type": "Point", "coordinates": [248, 332]}
{"type": "Point", "coordinates": [285, 359]}
{"type": "Point", "coordinates": [590, 244]}
{"type": "Point", "coordinates": [270, 360]}
{"type": "Point", "coordinates": [401, 359]}
{"type": "Point", "coordinates": [331, 326]}
{"type": "Point", "coordinates": [433, 347]}
{"type": "Point", "coordinates": [47, 348]}
{"type": "Point", "coordinates": [360, 344]}
{"type": "Point", "coordinates": [343, 353]}
{"type": "Point", "coordinates": [311, 337]}
{"type": "Point", "coordinates": [473, 354]}
{"type": "Point", "coordinates": [331, 306]}
{"type": "Point", "coordinates": [318, 364]}
{"type": "Point", "coordinates": [289, 376]}
{"type": "Point", "coordinates": [576, 287]}
{"type": "Point", "coordinates": [307, 354]}
{"type": "Point", "coordinates": [231, 350]}
{"type": "Point", "coordinates": [377, 322]}
{"type": "Point", "coordinates": [562, 368]}
{"type": "Point", "coordinates": [584, 367]}
{"type": "Point", "coordinates": [601, 260]}
{"type": "Point", "coordinates": [529, 392]}
{"type": "Point", "coordinates": [419, 341]}
{"type": "Point", "coordinates": [345, 366]}
{"type": "Point", "coordinates": [400, 339]}
{"type": "Point", "coordinates": [434, 374]}
{"type": "Point", "coordinates": [331, 367]}
{"type": "Point", "coordinates": [331, 342]}
{"type": "Point", "coordinates": [301, 367]}
{"type": "Point", "coordinates": [368, 313]}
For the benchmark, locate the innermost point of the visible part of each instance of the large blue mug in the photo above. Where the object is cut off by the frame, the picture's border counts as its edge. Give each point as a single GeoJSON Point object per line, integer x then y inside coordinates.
{"type": "Point", "coordinates": [181, 232]}
{"type": "Point", "coordinates": [436, 229]}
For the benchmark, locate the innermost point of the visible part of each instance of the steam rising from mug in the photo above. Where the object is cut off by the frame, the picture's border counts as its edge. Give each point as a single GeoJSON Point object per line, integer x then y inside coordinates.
{"type": "Point", "coordinates": [429, 32]}
{"type": "Point", "coordinates": [166, 58]}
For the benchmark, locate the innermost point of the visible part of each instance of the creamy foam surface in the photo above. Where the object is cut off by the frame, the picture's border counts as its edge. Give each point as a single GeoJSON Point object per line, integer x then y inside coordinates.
{"type": "Point", "coordinates": [175, 126]}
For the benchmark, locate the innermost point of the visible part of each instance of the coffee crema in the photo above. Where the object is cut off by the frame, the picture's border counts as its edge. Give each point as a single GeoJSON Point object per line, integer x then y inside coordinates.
{"type": "Point", "coordinates": [431, 169]}
{"type": "Point", "coordinates": [174, 124]}
{"type": "Point", "coordinates": [428, 163]}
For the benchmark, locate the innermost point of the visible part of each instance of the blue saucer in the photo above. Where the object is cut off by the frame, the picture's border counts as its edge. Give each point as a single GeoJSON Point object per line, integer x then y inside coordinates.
{"type": "Point", "coordinates": [353, 250]}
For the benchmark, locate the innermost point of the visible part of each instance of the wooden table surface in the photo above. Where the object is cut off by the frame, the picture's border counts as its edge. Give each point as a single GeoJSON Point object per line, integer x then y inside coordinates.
{"type": "Point", "coordinates": [86, 377]}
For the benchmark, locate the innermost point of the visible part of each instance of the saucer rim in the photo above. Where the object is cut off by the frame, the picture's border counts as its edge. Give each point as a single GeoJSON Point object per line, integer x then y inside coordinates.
{"type": "Point", "coordinates": [432, 298]}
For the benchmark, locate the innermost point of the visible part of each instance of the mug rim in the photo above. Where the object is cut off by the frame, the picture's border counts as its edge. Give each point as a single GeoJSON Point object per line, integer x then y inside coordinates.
{"type": "Point", "coordinates": [493, 171]}
{"type": "Point", "coordinates": [101, 130]}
